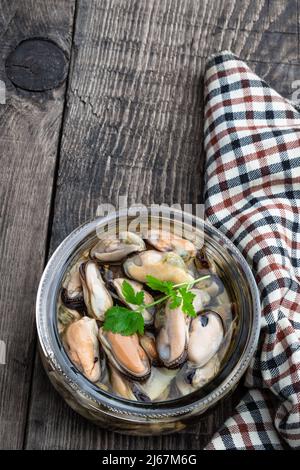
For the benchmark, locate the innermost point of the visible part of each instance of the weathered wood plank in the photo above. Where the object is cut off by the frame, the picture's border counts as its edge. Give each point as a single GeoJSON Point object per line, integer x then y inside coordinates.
{"type": "Point", "coordinates": [134, 127]}
{"type": "Point", "coordinates": [29, 135]}
{"type": "Point", "coordinates": [260, 16]}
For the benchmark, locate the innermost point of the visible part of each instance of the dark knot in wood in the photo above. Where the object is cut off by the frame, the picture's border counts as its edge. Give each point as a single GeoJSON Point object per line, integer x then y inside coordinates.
{"type": "Point", "coordinates": [37, 64]}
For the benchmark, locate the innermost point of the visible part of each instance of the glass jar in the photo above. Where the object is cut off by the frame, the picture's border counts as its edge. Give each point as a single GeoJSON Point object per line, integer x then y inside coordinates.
{"type": "Point", "coordinates": [147, 418]}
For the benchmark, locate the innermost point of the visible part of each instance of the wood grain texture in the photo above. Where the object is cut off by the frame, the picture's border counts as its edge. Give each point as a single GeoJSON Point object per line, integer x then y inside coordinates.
{"type": "Point", "coordinates": [29, 135]}
{"type": "Point", "coordinates": [134, 127]}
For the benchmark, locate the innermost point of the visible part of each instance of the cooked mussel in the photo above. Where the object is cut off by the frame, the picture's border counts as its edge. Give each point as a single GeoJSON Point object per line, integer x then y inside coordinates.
{"type": "Point", "coordinates": [66, 316]}
{"type": "Point", "coordinates": [113, 249]}
{"type": "Point", "coordinates": [148, 343]}
{"type": "Point", "coordinates": [166, 241]}
{"type": "Point", "coordinates": [81, 340]}
{"type": "Point", "coordinates": [201, 299]}
{"type": "Point", "coordinates": [126, 354]}
{"type": "Point", "coordinates": [172, 338]}
{"type": "Point", "coordinates": [125, 388]}
{"type": "Point", "coordinates": [212, 286]}
{"type": "Point", "coordinates": [205, 337]}
{"type": "Point", "coordinates": [72, 292]}
{"type": "Point", "coordinates": [164, 266]}
{"type": "Point", "coordinates": [137, 287]}
{"type": "Point", "coordinates": [96, 297]}
{"type": "Point", "coordinates": [120, 385]}
{"type": "Point", "coordinates": [202, 375]}
{"type": "Point", "coordinates": [156, 387]}
{"type": "Point", "coordinates": [191, 378]}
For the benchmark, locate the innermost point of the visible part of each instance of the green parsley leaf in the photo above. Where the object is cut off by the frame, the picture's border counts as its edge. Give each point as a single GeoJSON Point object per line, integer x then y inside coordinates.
{"type": "Point", "coordinates": [132, 297]}
{"type": "Point", "coordinates": [123, 321]}
{"type": "Point", "coordinates": [187, 301]}
{"type": "Point", "coordinates": [139, 297]}
{"type": "Point", "coordinates": [162, 286]}
{"type": "Point", "coordinates": [176, 301]}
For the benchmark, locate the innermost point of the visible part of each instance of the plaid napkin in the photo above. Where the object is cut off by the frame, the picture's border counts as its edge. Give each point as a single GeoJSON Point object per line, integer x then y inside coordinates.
{"type": "Point", "coordinates": [252, 143]}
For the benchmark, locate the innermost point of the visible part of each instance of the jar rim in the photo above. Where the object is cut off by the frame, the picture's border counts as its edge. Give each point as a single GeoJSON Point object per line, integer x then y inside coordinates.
{"type": "Point", "coordinates": [49, 341]}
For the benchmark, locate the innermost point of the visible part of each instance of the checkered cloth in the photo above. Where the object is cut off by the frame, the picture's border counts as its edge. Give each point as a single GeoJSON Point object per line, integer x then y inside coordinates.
{"type": "Point", "coordinates": [252, 143]}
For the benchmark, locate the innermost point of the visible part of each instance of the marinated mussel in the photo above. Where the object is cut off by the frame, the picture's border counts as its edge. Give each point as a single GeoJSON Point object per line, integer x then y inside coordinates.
{"type": "Point", "coordinates": [205, 337]}
{"type": "Point", "coordinates": [191, 378]}
{"type": "Point", "coordinates": [125, 388]}
{"type": "Point", "coordinates": [96, 297]}
{"type": "Point", "coordinates": [148, 343]}
{"type": "Point", "coordinates": [83, 347]}
{"type": "Point", "coordinates": [164, 266]}
{"type": "Point", "coordinates": [172, 338]}
{"type": "Point", "coordinates": [166, 241]}
{"type": "Point", "coordinates": [72, 292]}
{"type": "Point", "coordinates": [115, 249]}
{"type": "Point", "coordinates": [66, 316]}
{"type": "Point", "coordinates": [126, 354]}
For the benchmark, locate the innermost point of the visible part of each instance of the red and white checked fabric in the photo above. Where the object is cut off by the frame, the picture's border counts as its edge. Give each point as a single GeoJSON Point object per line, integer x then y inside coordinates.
{"type": "Point", "coordinates": [252, 143]}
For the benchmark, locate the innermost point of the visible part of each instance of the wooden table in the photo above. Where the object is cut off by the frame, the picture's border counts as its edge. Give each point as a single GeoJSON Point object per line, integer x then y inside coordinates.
{"type": "Point", "coordinates": [105, 100]}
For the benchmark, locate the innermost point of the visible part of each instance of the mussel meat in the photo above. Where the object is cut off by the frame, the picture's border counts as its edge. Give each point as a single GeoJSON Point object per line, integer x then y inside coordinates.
{"type": "Point", "coordinates": [202, 375]}
{"type": "Point", "coordinates": [205, 337]}
{"type": "Point", "coordinates": [191, 378]}
{"type": "Point", "coordinates": [166, 241]}
{"type": "Point", "coordinates": [83, 347]}
{"type": "Point", "coordinates": [66, 316]}
{"type": "Point", "coordinates": [156, 387]}
{"type": "Point", "coordinates": [115, 249]}
{"type": "Point", "coordinates": [148, 343]}
{"type": "Point", "coordinates": [212, 286]}
{"type": "Point", "coordinates": [201, 299]}
{"type": "Point", "coordinates": [72, 292]}
{"type": "Point", "coordinates": [124, 388]}
{"type": "Point", "coordinates": [96, 297]}
{"type": "Point", "coordinates": [172, 338]}
{"type": "Point", "coordinates": [164, 266]}
{"type": "Point", "coordinates": [126, 354]}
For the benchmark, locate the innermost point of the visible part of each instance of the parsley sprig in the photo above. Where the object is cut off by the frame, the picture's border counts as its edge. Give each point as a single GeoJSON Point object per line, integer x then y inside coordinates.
{"type": "Point", "coordinates": [127, 322]}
